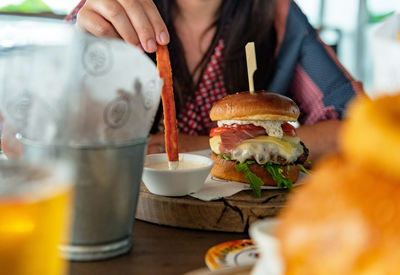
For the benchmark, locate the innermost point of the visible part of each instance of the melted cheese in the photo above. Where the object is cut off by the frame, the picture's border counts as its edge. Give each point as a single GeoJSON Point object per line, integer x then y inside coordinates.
{"type": "Point", "coordinates": [263, 149]}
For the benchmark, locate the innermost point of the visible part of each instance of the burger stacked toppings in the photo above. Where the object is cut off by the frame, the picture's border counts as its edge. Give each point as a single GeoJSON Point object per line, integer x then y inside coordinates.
{"type": "Point", "coordinates": [254, 143]}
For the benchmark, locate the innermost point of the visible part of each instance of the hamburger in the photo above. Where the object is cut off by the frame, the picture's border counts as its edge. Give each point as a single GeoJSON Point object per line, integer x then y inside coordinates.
{"type": "Point", "coordinates": [254, 143]}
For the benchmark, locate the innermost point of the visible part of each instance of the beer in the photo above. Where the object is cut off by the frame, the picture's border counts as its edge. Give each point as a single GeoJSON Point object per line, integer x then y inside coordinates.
{"type": "Point", "coordinates": [34, 214]}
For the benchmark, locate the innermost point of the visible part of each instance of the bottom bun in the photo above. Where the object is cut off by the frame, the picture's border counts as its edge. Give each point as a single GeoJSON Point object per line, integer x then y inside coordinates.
{"type": "Point", "coordinates": [226, 169]}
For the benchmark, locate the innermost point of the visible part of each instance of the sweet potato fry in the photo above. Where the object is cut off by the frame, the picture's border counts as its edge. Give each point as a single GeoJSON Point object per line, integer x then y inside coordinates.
{"type": "Point", "coordinates": [167, 96]}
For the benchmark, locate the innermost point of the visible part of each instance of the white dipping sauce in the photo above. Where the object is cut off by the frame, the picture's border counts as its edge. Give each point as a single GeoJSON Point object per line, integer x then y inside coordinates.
{"type": "Point", "coordinates": [183, 165]}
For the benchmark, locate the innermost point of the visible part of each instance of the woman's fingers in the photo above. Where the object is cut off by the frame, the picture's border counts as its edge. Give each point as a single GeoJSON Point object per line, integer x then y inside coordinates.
{"type": "Point", "coordinates": [159, 27]}
{"type": "Point", "coordinates": [140, 23]}
{"type": "Point", "coordinates": [135, 21]}
{"type": "Point", "coordinates": [114, 13]}
{"type": "Point", "coordinates": [95, 24]}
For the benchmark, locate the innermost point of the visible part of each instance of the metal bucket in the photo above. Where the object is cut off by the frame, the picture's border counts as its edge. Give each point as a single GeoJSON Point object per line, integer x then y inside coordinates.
{"type": "Point", "coordinates": [107, 187]}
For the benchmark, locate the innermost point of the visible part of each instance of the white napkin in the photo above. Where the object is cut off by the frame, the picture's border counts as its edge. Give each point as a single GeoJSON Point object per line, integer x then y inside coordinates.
{"type": "Point", "coordinates": [74, 88]}
{"type": "Point", "coordinates": [216, 188]}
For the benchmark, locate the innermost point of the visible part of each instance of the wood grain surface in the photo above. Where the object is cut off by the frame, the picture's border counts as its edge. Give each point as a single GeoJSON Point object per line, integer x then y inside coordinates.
{"type": "Point", "coordinates": [230, 214]}
{"type": "Point", "coordinates": [158, 250]}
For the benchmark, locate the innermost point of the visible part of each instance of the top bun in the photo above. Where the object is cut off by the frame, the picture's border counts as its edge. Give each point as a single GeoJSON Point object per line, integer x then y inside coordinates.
{"type": "Point", "coordinates": [261, 105]}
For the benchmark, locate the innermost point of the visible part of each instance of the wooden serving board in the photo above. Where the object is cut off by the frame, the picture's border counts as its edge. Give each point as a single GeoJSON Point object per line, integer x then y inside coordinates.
{"type": "Point", "coordinates": [230, 214]}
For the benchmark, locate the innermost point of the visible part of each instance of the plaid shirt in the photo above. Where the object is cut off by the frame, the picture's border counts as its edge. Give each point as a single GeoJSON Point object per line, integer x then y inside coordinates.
{"type": "Point", "coordinates": [71, 18]}
{"type": "Point", "coordinates": [308, 71]}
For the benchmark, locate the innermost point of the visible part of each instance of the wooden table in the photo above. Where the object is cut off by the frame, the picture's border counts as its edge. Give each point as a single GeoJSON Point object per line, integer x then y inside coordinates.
{"type": "Point", "coordinates": [159, 250]}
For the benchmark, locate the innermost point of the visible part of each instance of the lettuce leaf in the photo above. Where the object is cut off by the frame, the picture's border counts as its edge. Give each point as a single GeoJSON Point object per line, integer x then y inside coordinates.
{"type": "Point", "coordinates": [304, 169]}
{"type": "Point", "coordinates": [276, 172]}
{"type": "Point", "coordinates": [224, 156]}
{"type": "Point", "coordinates": [255, 182]}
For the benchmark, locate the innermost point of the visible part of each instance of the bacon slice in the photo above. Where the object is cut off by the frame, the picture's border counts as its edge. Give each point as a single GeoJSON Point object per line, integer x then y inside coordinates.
{"type": "Point", "coordinates": [233, 137]}
{"type": "Point", "coordinates": [167, 96]}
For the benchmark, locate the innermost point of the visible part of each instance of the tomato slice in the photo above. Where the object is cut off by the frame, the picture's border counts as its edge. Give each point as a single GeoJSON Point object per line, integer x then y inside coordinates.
{"type": "Point", "coordinates": [217, 131]}
{"type": "Point", "coordinates": [288, 129]}
{"type": "Point", "coordinates": [239, 127]}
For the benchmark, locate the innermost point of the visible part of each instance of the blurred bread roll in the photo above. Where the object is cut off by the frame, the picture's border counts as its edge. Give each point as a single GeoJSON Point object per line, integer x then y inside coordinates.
{"type": "Point", "coordinates": [371, 135]}
{"type": "Point", "coordinates": [346, 218]}
{"type": "Point", "coordinates": [343, 221]}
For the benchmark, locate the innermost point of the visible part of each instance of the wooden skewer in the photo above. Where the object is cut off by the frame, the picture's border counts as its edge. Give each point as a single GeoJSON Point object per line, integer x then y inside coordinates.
{"type": "Point", "coordinates": [251, 64]}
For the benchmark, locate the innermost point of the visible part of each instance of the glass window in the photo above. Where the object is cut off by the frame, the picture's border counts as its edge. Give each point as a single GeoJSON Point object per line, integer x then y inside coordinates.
{"type": "Point", "coordinates": [38, 6]}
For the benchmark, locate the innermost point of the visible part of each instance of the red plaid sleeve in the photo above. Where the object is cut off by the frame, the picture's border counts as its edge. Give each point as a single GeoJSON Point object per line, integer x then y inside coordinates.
{"type": "Point", "coordinates": [71, 18]}
{"type": "Point", "coordinates": [310, 99]}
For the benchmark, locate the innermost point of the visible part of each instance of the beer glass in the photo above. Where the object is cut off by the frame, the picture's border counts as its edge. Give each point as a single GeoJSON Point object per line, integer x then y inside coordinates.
{"type": "Point", "coordinates": [34, 216]}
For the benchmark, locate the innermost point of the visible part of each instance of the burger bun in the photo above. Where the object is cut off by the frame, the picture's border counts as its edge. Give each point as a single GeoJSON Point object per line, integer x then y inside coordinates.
{"type": "Point", "coordinates": [260, 105]}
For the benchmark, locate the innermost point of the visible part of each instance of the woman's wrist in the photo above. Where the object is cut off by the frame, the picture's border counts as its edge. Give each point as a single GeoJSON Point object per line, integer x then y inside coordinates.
{"type": "Point", "coordinates": [320, 138]}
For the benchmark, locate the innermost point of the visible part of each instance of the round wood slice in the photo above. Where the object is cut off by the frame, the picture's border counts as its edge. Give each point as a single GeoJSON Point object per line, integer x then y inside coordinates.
{"type": "Point", "coordinates": [230, 214]}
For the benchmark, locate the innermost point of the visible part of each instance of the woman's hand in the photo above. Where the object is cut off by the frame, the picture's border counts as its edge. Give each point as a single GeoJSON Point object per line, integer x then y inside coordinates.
{"type": "Point", "coordinates": [321, 138]}
{"type": "Point", "coordinates": [187, 143]}
{"type": "Point", "coordinates": [136, 21]}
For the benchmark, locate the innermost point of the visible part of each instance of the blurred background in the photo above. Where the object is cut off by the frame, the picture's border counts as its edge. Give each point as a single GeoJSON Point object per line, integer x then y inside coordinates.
{"type": "Point", "coordinates": [346, 25]}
